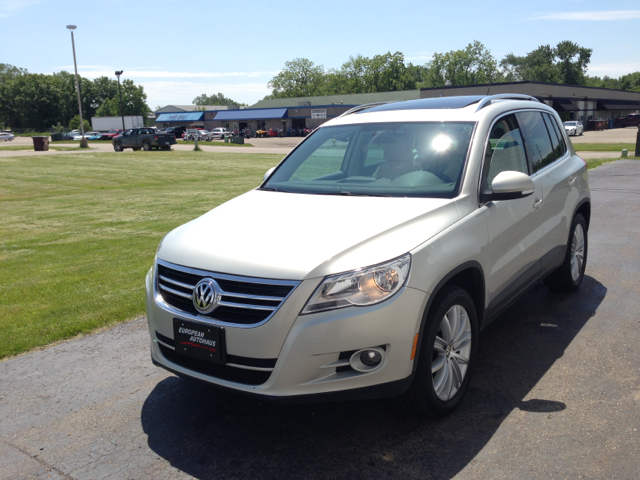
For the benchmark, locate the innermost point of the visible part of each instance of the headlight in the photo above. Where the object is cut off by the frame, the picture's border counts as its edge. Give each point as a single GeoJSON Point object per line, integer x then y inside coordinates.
{"type": "Point", "coordinates": [365, 286]}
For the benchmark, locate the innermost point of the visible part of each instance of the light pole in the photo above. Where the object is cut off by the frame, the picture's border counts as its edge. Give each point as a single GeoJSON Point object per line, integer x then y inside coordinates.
{"type": "Point", "coordinates": [120, 92]}
{"type": "Point", "coordinates": [83, 141]}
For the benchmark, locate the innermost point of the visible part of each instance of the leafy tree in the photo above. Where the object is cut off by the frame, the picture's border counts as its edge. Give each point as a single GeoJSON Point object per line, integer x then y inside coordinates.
{"type": "Point", "coordinates": [566, 63]}
{"type": "Point", "coordinates": [472, 66]}
{"type": "Point", "coordinates": [133, 99]}
{"type": "Point", "coordinates": [74, 123]}
{"type": "Point", "coordinates": [215, 99]}
{"type": "Point", "coordinates": [299, 78]}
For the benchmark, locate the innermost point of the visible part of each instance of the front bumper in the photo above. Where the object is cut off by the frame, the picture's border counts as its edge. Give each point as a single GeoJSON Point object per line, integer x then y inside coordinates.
{"type": "Point", "coordinates": [308, 351]}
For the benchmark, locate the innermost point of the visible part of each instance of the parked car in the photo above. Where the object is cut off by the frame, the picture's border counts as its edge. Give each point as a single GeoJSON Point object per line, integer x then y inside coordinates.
{"type": "Point", "coordinates": [376, 265]}
{"type": "Point", "coordinates": [78, 136]}
{"type": "Point", "coordinates": [143, 138]}
{"type": "Point", "coordinates": [221, 133]}
{"type": "Point", "coordinates": [573, 128]}
{"type": "Point", "coordinates": [93, 135]}
{"type": "Point", "coordinates": [631, 120]}
{"type": "Point", "coordinates": [111, 134]}
{"type": "Point", "coordinates": [6, 136]}
{"type": "Point", "coordinates": [177, 131]}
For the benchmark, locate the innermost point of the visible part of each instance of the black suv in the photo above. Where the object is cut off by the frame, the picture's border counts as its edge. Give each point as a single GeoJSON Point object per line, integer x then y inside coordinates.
{"type": "Point", "coordinates": [177, 131]}
{"type": "Point", "coordinates": [631, 120]}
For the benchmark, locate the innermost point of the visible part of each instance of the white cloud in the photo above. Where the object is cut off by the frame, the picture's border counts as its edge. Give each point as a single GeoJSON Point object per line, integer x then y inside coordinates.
{"type": "Point", "coordinates": [9, 7]}
{"type": "Point", "coordinates": [613, 70]}
{"type": "Point", "coordinates": [591, 16]}
{"type": "Point", "coordinates": [183, 93]}
{"type": "Point", "coordinates": [420, 57]}
{"type": "Point", "coordinates": [93, 72]}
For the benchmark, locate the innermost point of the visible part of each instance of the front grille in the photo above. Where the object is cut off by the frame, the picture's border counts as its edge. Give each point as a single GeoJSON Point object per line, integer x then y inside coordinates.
{"type": "Point", "coordinates": [224, 372]}
{"type": "Point", "coordinates": [243, 301]}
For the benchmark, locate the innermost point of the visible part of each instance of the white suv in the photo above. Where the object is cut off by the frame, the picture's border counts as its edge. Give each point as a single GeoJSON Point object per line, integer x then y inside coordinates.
{"type": "Point", "coordinates": [368, 260]}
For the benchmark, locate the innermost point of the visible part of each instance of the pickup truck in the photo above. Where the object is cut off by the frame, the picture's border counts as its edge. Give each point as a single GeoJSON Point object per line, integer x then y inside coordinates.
{"type": "Point", "coordinates": [145, 138]}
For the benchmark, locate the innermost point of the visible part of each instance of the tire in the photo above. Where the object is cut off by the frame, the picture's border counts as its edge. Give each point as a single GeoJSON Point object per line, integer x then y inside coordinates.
{"type": "Point", "coordinates": [146, 146]}
{"type": "Point", "coordinates": [568, 277]}
{"type": "Point", "coordinates": [117, 146]}
{"type": "Point", "coordinates": [446, 358]}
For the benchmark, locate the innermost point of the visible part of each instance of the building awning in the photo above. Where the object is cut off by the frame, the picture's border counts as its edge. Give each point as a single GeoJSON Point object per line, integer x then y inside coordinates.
{"type": "Point", "coordinates": [251, 114]}
{"type": "Point", "coordinates": [618, 104]}
{"type": "Point", "coordinates": [180, 117]}
{"type": "Point", "coordinates": [564, 104]}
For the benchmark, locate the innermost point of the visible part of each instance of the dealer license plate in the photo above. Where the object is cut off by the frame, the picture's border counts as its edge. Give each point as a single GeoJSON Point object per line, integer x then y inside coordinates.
{"type": "Point", "coordinates": [166, 143]}
{"type": "Point", "coordinates": [196, 340]}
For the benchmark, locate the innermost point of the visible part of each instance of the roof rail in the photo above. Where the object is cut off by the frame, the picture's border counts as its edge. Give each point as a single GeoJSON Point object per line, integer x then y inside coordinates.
{"type": "Point", "coordinates": [504, 96]}
{"type": "Point", "coordinates": [364, 106]}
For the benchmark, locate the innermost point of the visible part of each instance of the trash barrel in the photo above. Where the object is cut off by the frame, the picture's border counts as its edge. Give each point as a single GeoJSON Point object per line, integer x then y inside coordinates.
{"type": "Point", "coordinates": [56, 137]}
{"type": "Point", "coordinates": [226, 139]}
{"type": "Point", "coordinates": [40, 144]}
{"type": "Point", "coordinates": [610, 123]}
{"type": "Point", "coordinates": [239, 140]}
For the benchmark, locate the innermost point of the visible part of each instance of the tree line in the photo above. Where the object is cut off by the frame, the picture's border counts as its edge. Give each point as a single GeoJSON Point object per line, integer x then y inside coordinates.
{"type": "Point", "coordinates": [40, 101]}
{"type": "Point", "coordinates": [566, 63]}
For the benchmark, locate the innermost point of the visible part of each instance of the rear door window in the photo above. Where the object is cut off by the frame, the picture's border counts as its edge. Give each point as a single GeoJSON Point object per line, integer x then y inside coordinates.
{"type": "Point", "coordinates": [538, 140]}
{"type": "Point", "coordinates": [556, 140]}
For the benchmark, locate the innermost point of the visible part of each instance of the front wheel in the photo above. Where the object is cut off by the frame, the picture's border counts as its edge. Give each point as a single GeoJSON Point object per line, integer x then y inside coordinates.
{"type": "Point", "coordinates": [568, 277]}
{"type": "Point", "coordinates": [447, 355]}
{"type": "Point", "coordinates": [117, 147]}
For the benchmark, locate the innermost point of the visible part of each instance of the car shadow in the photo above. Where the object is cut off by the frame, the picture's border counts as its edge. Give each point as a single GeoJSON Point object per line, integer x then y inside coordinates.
{"type": "Point", "coordinates": [208, 434]}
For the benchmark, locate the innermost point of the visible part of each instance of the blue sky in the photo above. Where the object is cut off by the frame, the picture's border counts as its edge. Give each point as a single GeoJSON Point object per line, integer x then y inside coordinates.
{"type": "Point", "coordinates": [180, 49]}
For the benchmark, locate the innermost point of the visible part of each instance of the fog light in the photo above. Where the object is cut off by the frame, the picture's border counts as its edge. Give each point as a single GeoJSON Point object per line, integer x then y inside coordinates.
{"type": "Point", "coordinates": [371, 358]}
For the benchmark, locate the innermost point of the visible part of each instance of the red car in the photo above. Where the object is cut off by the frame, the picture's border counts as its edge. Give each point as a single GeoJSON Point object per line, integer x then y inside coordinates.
{"type": "Point", "coordinates": [111, 134]}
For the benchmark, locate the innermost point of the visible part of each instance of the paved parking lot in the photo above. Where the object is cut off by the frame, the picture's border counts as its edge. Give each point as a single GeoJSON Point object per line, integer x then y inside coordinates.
{"type": "Point", "coordinates": [556, 395]}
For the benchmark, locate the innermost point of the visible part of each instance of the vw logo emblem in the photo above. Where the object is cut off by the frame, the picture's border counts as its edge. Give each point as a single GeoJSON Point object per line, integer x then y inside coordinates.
{"type": "Point", "coordinates": [206, 295]}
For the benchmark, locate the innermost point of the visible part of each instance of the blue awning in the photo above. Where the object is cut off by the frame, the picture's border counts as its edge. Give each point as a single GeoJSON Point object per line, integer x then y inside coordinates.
{"type": "Point", "coordinates": [180, 117]}
{"type": "Point", "coordinates": [251, 114]}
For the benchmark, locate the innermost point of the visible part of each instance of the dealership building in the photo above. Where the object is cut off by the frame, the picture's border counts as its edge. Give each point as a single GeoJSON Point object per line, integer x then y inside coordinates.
{"type": "Point", "coordinates": [594, 107]}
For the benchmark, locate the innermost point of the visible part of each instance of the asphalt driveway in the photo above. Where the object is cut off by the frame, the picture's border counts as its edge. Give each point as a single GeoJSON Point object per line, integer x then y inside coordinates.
{"type": "Point", "coordinates": [556, 395]}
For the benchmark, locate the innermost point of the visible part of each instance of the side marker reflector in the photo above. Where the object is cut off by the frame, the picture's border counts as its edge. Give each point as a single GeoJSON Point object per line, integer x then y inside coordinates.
{"type": "Point", "coordinates": [415, 346]}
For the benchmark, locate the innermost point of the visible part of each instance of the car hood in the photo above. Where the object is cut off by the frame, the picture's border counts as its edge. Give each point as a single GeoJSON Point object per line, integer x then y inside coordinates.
{"type": "Point", "coordinates": [296, 236]}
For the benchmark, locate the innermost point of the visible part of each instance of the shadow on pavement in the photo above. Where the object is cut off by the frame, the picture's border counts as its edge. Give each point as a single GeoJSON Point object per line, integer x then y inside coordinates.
{"type": "Point", "coordinates": [208, 434]}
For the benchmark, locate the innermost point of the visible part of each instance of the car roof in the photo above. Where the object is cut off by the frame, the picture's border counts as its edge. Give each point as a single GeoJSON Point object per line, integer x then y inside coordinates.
{"type": "Point", "coordinates": [468, 108]}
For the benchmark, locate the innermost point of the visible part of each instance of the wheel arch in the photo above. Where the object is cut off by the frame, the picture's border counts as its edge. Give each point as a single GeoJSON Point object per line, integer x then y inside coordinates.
{"type": "Point", "coordinates": [470, 277]}
{"type": "Point", "coordinates": [584, 209]}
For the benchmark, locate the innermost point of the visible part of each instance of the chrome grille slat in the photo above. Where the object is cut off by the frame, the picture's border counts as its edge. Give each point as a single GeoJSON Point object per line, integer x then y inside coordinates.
{"type": "Point", "coordinates": [176, 292]}
{"type": "Point", "coordinates": [183, 285]}
{"type": "Point", "coordinates": [245, 305]}
{"type": "Point", "coordinates": [243, 301]}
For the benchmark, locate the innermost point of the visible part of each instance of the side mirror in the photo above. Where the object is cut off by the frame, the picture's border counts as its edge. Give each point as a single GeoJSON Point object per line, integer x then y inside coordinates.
{"type": "Point", "coordinates": [268, 174]}
{"type": "Point", "coordinates": [511, 185]}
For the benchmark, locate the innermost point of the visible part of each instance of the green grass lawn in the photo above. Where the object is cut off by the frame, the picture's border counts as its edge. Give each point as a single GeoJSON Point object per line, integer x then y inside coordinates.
{"type": "Point", "coordinates": [604, 147]}
{"type": "Point", "coordinates": [79, 232]}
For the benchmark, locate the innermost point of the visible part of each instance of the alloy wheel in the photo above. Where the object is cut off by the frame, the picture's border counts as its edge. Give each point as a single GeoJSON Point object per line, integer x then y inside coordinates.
{"type": "Point", "coordinates": [451, 351]}
{"type": "Point", "coordinates": [577, 252]}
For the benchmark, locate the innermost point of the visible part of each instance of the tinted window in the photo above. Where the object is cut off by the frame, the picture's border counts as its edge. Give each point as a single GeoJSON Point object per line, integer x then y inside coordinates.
{"type": "Point", "coordinates": [505, 150]}
{"type": "Point", "coordinates": [538, 142]}
{"type": "Point", "coordinates": [557, 140]}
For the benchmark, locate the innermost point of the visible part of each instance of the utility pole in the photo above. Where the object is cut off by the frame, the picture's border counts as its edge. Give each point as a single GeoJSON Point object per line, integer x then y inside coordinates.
{"type": "Point", "coordinates": [83, 141]}
{"type": "Point", "coordinates": [120, 92]}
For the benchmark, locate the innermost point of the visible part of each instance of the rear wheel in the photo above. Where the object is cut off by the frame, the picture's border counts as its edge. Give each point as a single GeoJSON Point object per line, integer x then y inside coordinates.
{"type": "Point", "coordinates": [568, 277]}
{"type": "Point", "coordinates": [146, 146]}
{"type": "Point", "coordinates": [447, 355]}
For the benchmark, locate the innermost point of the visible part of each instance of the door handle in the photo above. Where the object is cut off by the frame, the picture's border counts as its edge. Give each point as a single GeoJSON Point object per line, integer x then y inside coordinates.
{"type": "Point", "coordinates": [572, 181]}
{"type": "Point", "coordinates": [537, 203]}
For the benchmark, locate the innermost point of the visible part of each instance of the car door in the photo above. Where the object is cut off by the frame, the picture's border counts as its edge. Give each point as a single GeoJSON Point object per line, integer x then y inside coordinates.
{"type": "Point", "coordinates": [515, 233]}
{"type": "Point", "coordinates": [557, 172]}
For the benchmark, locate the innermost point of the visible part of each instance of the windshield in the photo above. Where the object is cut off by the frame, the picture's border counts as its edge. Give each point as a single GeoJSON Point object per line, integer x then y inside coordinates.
{"type": "Point", "coordinates": [382, 159]}
{"type": "Point", "coordinates": [570, 124]}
